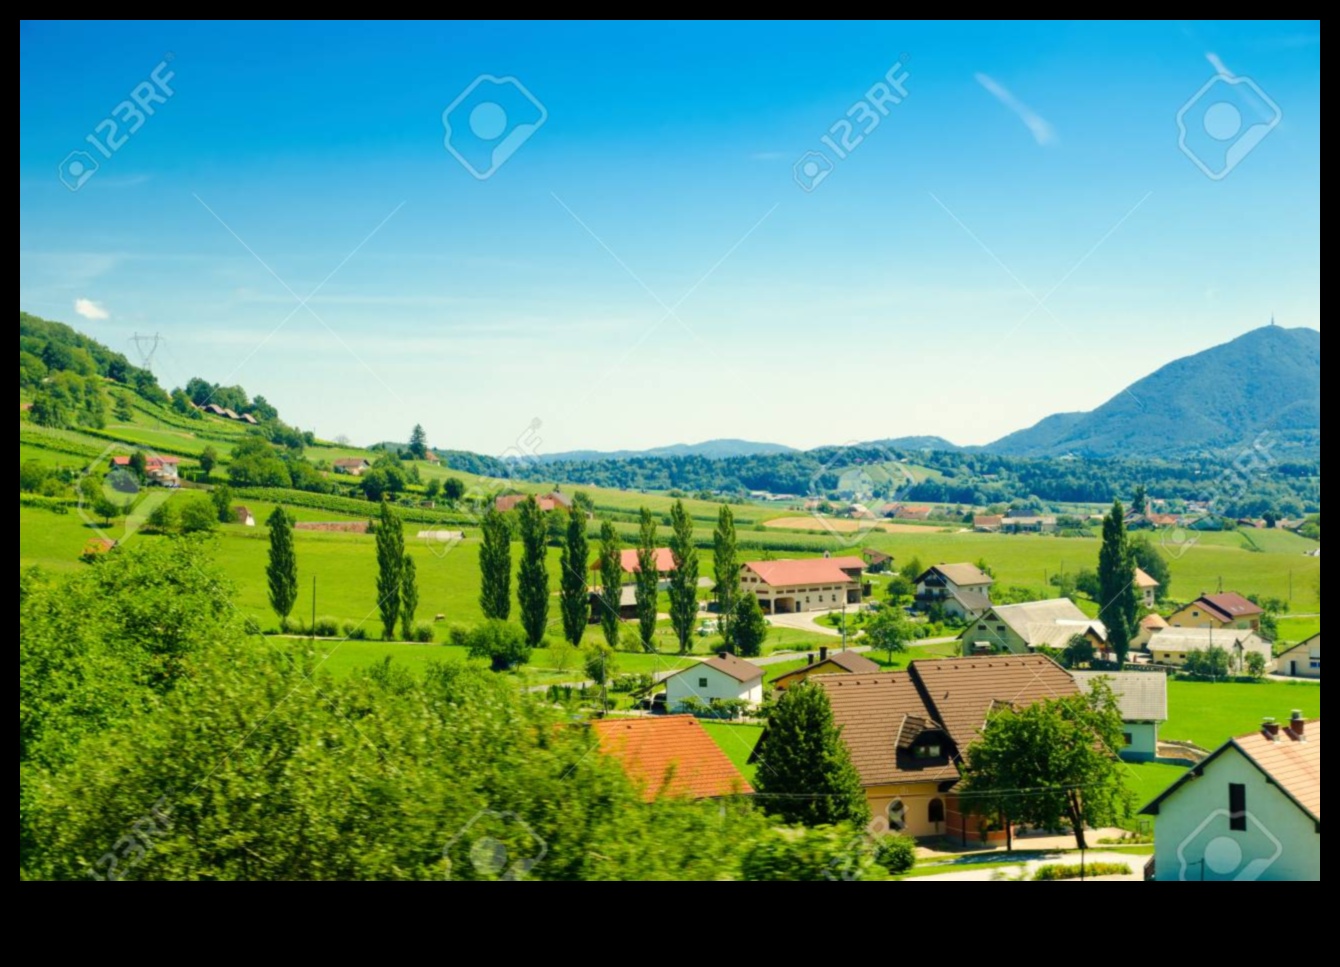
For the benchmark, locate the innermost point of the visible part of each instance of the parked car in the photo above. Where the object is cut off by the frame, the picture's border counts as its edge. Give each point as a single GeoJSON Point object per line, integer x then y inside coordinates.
{"type": "Point", "coordinates": [652, 703]}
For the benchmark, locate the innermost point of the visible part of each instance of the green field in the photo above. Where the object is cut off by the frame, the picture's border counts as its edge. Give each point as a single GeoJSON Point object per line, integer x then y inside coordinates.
{"type": "Point", "coordinates": [738, 742]}
{"type": "Point", "coordinates": [1209, 714]}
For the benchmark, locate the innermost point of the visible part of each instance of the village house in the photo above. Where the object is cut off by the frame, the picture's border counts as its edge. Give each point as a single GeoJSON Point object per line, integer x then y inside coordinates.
{"type": "Point", "coordinates": [628, 562]}
{"type": "Point", "coordinates": [161, 470]}
{"type": "Point", "coordinates": [963, 590]}
{"type": "Point", "coordinates": [352, 466]}
{"type": "Point", "coordinates": [1227, 610]}
{"type": "Point", "coordinates": [1022, 628]}
{"type": "Point", "coordinates": [836, 663]}
{"type": "Point", "coordinates": [1142, 698]}
{"type": "Point", "coordinates": [554, 500]}
{"type": "Point", "coordinates": [723, 678]}
{"type": "Point", "coordinates": [627, 604]}
{"type": "Point", "coordinates": [1029, 524]}
{"type": "Point", "coordinates": [907, 732]}
{"type": "Point", "coordinates": [1302, 660]}
{"type": "Point", "coordinates": [810, 584]}
{"type": "Point", "coordinates": [244, 516]}
{"type": "Point", "coordinates": [912, 513]}
{"type": "Point", "coordinates": [1171, 645]}
{"type": "Point", "coordinates": [1146, 588]}
{"type": "Point", "coordinates": [671, 756]}
{"type": "Point", "coordinates": [876, 561]}
{"type": "Point", "coordinates": [1249, 811]}
{"type": "Point", "coordinates": [987, 523]}
{"type": "Point", "coordinates": [1150, 625]}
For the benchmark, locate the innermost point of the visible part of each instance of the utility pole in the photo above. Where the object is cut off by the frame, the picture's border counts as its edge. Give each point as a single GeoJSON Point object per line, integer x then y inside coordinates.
{"type": "Point", "coordinates": [312, 627]}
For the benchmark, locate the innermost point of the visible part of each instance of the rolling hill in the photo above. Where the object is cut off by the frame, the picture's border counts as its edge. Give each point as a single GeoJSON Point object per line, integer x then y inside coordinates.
{"type": "Point", "coordinates": [709, 449]}
{"type": "Point", "coordinates": [1268, 380]}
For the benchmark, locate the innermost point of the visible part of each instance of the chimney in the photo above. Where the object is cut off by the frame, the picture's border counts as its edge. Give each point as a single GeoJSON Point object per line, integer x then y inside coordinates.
{"type": "Point", "coordinates": [823, 653]}
{"type": "Point", "coordinates": [1270, 728]}
{"type": "Point", "coordinates": [1297, 724]}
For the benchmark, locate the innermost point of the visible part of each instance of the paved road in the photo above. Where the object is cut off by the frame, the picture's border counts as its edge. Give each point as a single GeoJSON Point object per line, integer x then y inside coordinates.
{"type": "Point", "coordinates": [1135, 864]}
{"type": "Point", "coordinates": [804, 621]}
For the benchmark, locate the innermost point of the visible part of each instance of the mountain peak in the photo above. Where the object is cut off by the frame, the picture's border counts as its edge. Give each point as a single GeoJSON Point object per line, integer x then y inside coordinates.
{"type": "Point", "coordinates": [1266, 380]}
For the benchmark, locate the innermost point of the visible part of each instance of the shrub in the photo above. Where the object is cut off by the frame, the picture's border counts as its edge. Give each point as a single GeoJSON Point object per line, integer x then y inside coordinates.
{"type": "Point", "coordinates": [503, 644]}
{"type": "Point", "coordinates": [354, 632]}
{"type": "Point", "coordinates": [632, 683]}
{"type": "Point", "coordinates": [831, 853]}
{"type": "Point", "coordinates": [1059, 871]}
{"type": "Point", "coordinates": [897, 854]}
{"type": "Point", "coordinates": [423, 633]}
{"type": "Point", "coordinates": [326, 627]}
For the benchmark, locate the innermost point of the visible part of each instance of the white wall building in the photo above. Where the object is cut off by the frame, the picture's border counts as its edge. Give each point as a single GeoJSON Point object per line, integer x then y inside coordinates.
{"type": "Point", "coordinates": [724, 678]}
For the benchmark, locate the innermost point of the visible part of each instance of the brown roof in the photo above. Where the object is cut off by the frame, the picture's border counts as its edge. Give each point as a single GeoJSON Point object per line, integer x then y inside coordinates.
{"type": "Point", "coordinates": [815, 570]}
{"type": "Point", "coordinates": [1291, 763]}
{"type": "Point", "coordinates": [878, 716]}
{"type": "Point", "coordinates": [988, 520]}
{"type": "Point", "coordinates": [1228, 606]}
{"type": "Point", "coordinates": [1154, 621]}
{"type": "Point", "coordinates": [670, 756]}
{"type": "Point", "coordinates": [1143, 580]}
{"type": "Point", "coordinates": [875, 556]}
{"type": "Point", "coordinates": [881, 715]}
{"type": "Point", "coordinates": [841, 662]}
{"type": "Point", "coordinates": [963, 575]}
{"type": "Point", "coordinates": [960, 692]}
{"type": "Point", "coordinates": [349, 462]}
{"type": "Point", "coordinates": [736, 668]}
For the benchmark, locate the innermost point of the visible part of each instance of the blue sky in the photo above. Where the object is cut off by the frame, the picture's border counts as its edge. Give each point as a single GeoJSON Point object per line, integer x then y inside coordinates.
{"type": "Point", "coordinates": [1022, 233]}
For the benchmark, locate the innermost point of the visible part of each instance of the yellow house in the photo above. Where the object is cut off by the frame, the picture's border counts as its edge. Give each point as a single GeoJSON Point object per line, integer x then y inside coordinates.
{"type": "Point", "coordinates": [1219, 611]}
{"type": "Point", "coordinates": [906, 732]}
{"type": "Point", "coordinates": [838, 663]}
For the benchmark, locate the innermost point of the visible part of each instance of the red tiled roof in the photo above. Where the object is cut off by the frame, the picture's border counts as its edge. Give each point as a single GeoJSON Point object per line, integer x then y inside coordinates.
{"type": "Point", "coordinates": [817, 570]}
{"type": "Point", "coordinates": [670, 756]}
{"type": "Point", "coordinates": [1228, 606]}
{"type": "Point", "coordinates": [665, 561]}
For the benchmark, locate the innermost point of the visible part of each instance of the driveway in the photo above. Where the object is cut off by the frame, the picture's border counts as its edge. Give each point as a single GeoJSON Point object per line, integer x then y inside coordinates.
{"type": "Point", "coordinates": [965, 873]}
{"type": "Point", "coordinates": [804, 621]}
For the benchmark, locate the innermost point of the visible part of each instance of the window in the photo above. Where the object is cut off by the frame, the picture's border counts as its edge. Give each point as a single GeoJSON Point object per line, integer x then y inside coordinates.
{"type": "Point", "coordinates": [936, 811]}
{"type": "Point", "coordinates": [1237, 807]}
{"type": "Point", "coordinates": [926, 750]}
{"type": "Point", "coordinates": [1315, 665]}
{"type": "Point", "coordinates": [1128, 738]}
{"type": "Point", "coordinates": [702, 683]}
{"type": "Point", "coordinates": [981, 627]}
{"type": "Point", "coordinates": [897, 816]}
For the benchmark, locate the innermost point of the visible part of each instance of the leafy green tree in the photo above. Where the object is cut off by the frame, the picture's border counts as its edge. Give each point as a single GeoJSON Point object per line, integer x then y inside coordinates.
{"type": "Point", "coordinates": [749, 628]}
{"type": "Point", "coordinates": [647, 578]}
{"type": "Point", "coordinates": [1087, 584]}
{"type": "Point", "coordinates": [1116, 578]}
{"type": "Point", "coordinates": [889, 630]}
{"type": "Point", "coordinates": [805, 774]}
{"type": "Point", "coordinates": [1254, 664]}
{"type": "Point", "coordinates": [495, 567]}
{"type": "Point", "coordinates": [121, 409]}
{"type": "Point", "coordinates": [1150, 559]}
{"type": "Point", "coordinates": [582, 501]}
{"type": "Point", "coordinates": [532, 583]}
{"type": "Point", "coordinates": [725, 570]}
{"type": "Point", "coordinates": [433, 489]}
{"type": "Point", "coordinates": [418, 443]}
{"type": "Point", "coordinates": [106, 509]}
{"type": "Point", "coordinates": [198, 517]}
{"type": "Point", "coordinates": [684, 578]}
{"type": "Point", "coordinates": [409, 597]}
{"type": "Point", "coordinates": [390, 567]}
{"type": "Point", "coordinates": [1052, 764]}
{"type": "Point", "coordinates": [901, 590]}
{"type": "Point", "coordinates": [601, 663]}
{"type": "Point", "coordinates": [1212, 663]}
{"type": "Point", "coordinates": [912, 570]}
{"type": "Point", "coordinates": [221, 497]}
{"type": "Point", "coordinates": [139, 465]}
{"type": "Point", "coordinates": [573, 588]}
{"type": "Point", "coordinates": [815, 855]}
{"type": "Point", "coordinates": [502, 644]}
{"type": "Point", "coordinates": [611, 583]}
{"type": "Point", "coordinates": [32, 475]}
{"type": "Point", "coordinates": [1078, 652]}
{"type": "Point", "coordinates": [453, 489]}
{"type": "Point", "coordinates": [1140, 501]}
{"type": "Point", "coordinates": [281, 573]}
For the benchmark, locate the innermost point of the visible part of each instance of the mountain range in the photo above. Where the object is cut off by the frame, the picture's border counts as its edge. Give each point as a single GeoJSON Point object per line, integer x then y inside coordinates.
{"type": "Point", "coordinates": [708, 449]}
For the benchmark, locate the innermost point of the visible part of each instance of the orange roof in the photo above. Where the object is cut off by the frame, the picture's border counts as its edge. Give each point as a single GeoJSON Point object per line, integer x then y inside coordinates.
{"type": "Point", "coordinates": [1143, 580]}
{"type": "Point", "coordinates": [665, 561]}
{"type": "Point", "coordinates": [1290, 761]}
{"type": "Point", "coordinates": [670, 755]}
{"type": "Point", "coordinates": [513, 501]}
{"type": "Point", "coordinates": [1154, 621]}
{"type": "Point", "coordinates": [817, 570]}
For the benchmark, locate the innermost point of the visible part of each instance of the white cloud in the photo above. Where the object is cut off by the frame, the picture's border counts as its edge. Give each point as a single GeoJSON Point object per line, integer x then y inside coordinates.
{"type": "Point", "coordinates": [1041, 129]}
{"type": "Point", "coordinates": [90, 309]}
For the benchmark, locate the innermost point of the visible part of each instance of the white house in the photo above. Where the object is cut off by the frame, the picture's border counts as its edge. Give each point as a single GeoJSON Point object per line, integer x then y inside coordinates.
{"type": "Point", "coordinates": [1023, 628]}
{"type": "Point", "coordinates": [1302, 660]}
{"type": "Point", "coordinates": [1146, 587]}
{"type": "Point", "coordinates": [1171, 645]}
{"type": "Point", "coordinates": [1250, 811]}
{"type": "Point", "coordinates": [1143, 700]}
{"type": "Point", "coordinates": [963, 590]}
{"type": "Point", "coordinates": [811, 584]}
{"type": "Point", "coordinates": [725, 678]}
